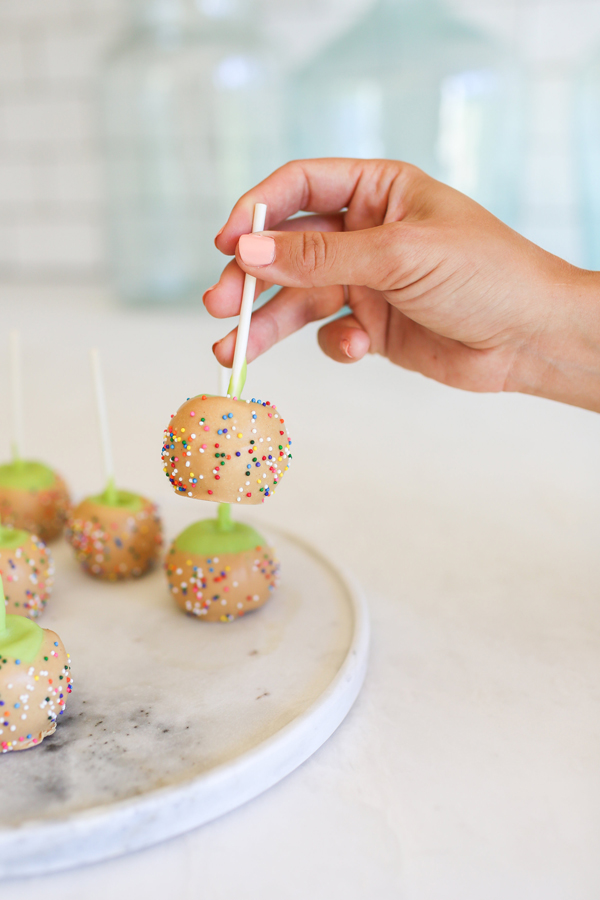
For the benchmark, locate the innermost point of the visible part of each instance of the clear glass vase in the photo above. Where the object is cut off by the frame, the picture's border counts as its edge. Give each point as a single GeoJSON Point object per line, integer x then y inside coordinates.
{"type": "Point", "coordinates": [191, 116]}
{"type": "Point", "coordinates": [411, 82]}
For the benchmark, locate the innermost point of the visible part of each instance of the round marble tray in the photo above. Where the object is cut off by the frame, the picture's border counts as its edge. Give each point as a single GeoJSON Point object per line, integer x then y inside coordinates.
{"type": "Point", "coordinates": [173, 721]}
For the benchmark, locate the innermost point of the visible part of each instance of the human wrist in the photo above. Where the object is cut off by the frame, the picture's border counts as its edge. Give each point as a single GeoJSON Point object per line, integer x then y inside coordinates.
{"type": "Point", "coordinates": [560, 358]}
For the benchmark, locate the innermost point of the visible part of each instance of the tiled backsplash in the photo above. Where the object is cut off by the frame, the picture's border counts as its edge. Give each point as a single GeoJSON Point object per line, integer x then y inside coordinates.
{"type": "Point", "coordinates": [50, 166]}
{"type": "Point", "coordinates": [51, 178]}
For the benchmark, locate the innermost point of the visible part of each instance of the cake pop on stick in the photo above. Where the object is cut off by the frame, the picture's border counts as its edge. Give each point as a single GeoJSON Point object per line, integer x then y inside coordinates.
{"type": "Point", "coordinates": [116, 534]}
{"type": "Point", "coordinates": [27, 569]}
{"type": "Point", "coordinates": [223, 448]}
{"type": "Point", "coordinates": [219, 570]}
{"type": "Point", "coordinates": [34, 681]}
{"type": "Point", "coordinates": [32, 496]}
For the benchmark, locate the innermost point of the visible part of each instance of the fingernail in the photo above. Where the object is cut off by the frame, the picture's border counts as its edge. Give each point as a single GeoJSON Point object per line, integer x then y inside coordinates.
{"type": "Point", "coordinates": [219, 232]}
{"type": "Point", "coordinates": [207, 291]}
{"type": "Point", "coordinates": [345, 345]}
{"type": "Point", "coordinates": [256, 249]}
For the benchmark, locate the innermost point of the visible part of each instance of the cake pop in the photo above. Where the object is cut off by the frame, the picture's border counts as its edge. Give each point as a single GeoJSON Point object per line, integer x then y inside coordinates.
{"type": "Point", "coordinates": [27, 568]}
{"type": "Point", "coordinates": [34, 681]}
{"type": "Point", "coordinates": [227, 450]}
{"type": "Point", "coordinates": [223, 448]}
{"type": "Point", "coordinates": [32, 496]}
{"type": "Point", "coordinates": [219, 570]}
{"type": "Point", "coordinates": [115, 534]}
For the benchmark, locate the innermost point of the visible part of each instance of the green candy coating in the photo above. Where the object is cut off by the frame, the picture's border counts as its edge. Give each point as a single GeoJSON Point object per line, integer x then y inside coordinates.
{"type": "Point", "coordinates": [11, 538]}
{"type": "Point", "coordinates": [207, 538]}
{"type": "Point", "coordinates": [26, 475]}
{"type": "Point", "coordinates": [119, 500]}
{"type": "Point", "coordinates": [20, 637]}
{"type": "Point", "coordinates": [235, 388]}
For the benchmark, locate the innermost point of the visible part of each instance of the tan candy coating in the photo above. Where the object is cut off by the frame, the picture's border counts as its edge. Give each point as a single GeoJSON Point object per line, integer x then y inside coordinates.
{"type": "Point", "coordinates": [114, 543]}
{"type": "Point", "coordinates": [27, 572]}
{"type": "Point", "coordinates": [223, 588]}
{"type": "Point", "coordinates": [42, 512]}
{"type": "Point", "coordinates": [33, 695]}
{"type": "Point", "coordinates": [230, 451]}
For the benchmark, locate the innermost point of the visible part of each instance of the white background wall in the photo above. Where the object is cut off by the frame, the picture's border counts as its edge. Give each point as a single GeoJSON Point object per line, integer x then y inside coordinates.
{"type": "Point", "coordinates": [51, 181]}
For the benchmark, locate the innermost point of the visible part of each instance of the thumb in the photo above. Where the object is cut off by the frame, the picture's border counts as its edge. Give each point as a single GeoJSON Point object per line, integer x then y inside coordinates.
{"type": "Point", "coordinates": [320, 259]}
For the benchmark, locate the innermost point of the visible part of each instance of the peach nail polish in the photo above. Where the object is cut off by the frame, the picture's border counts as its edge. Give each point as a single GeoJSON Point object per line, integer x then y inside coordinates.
{"type": "Point", "coordinates": [345, 345]}
{"type": "Point", "coordinates": [256, 249]}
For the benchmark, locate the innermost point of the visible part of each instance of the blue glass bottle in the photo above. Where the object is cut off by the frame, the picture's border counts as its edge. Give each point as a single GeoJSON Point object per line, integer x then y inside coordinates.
{"type": "Point", "coordinates": [185, 95]}
{"type": "Point", "coordinates": [411, 82]}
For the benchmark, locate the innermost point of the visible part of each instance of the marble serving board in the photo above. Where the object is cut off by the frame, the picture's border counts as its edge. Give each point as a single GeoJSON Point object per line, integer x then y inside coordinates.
{"type": "Point", "coordinates": [174, 721]}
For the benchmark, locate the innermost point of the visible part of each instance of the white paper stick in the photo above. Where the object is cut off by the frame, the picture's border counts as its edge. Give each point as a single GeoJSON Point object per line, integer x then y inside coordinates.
{"type": "Point", "coordinates": [102, 417]}
{"type": "Point", "coordinates": [16, 395]}
{"type": "Point", "coordinates": [241, 344]}
{"type": "Point", "coordinates": [224, 376]}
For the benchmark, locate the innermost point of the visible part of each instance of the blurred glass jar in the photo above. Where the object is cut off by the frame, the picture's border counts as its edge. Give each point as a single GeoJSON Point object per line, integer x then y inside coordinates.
{"type": "Point", "coordinates": [191, 117]}
{"type": "Point", "coordinates": [587, 109]}
{"type": "Point", "coordinates": [410, 82]}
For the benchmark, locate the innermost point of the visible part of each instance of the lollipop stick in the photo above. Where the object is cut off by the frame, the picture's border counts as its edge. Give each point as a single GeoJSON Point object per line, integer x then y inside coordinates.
{"type": "Point", "coordinates": [224, 522]}
{"type": "Point", "coordinates": [109, 470]}
{"type": "Point", "coordinates": [238, 373]}
{"type": "Point", "coordinates": [224, 375]}
{"type": "Point", "coordinates": [16, 396]}
{"type": "Point", "coordinates": [224, 517]}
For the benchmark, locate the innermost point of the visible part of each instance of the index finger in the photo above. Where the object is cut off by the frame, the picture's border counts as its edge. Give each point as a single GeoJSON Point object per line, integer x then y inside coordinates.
{"type": "Point", "coordinates": [309, 185]}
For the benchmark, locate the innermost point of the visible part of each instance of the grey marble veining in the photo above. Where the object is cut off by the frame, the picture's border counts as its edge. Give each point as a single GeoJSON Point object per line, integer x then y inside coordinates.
{"type": "Point", "coordinates": [160, 698]}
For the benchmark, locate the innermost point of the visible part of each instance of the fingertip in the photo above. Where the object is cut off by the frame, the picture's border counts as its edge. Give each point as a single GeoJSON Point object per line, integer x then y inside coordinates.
{"type": "Point", "coordinates": [223, 350]}
{"type": "Point", "coordinates": [342, 342]}
{"type": "Point", "coordinates": [218, 352]}
{"type": "Point", "coordinates": [255, 251]}
{"type": "Point", "coordinates": [209, 304]}
{"type": "Point", "coordinates": [223, 299]}
{"type": "Point", "coordinates": [225, 242]}
{"type": "Point", "coordinates": [356, 344]}
{"type": "Point", "coordinates": [207, 292]}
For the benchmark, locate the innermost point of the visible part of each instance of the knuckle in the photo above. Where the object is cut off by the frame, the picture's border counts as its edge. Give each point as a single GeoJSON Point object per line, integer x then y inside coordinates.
{"type": "Point", "coordinates": [313, 253]}
{"type": "Point", "coordinates": [390, 254]}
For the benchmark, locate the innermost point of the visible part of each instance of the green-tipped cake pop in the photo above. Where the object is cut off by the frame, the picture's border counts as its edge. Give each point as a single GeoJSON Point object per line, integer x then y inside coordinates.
{"type": "Point", "coordinates": [34, 681]}
{"type": "Point", "coordinates": [115, 534]}
{"type": "Point", "coordinates": [32, 496]}
{"type": "Point", "coordinates": [219, 570]}
{"type": "Point", "coordinates": [27, 568]}
{"type": "Point", "coordinates": [226, 449]}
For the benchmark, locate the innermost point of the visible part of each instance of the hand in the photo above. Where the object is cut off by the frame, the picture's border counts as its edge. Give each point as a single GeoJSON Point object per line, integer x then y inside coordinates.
{"type": "Point", "coordinates": [434, 281]}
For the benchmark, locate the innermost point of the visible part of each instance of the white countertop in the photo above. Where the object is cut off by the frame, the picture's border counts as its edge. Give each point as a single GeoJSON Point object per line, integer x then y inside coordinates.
{"type": "Point", "coordinates": [468, 768]}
